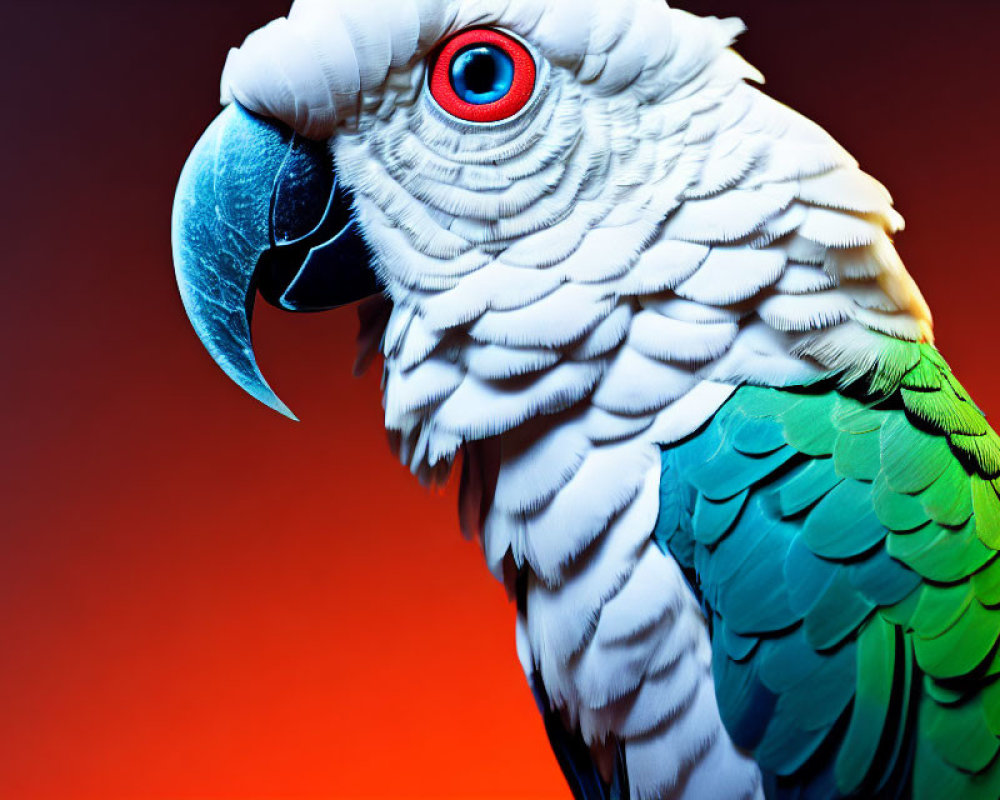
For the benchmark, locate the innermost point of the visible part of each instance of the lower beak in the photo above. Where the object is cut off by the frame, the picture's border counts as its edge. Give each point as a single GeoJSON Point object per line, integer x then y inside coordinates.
{"type": "Point", "coordinates": [258, 207]}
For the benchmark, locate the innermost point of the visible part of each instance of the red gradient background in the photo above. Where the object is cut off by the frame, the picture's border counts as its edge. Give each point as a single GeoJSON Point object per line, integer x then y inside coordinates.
{"type": "Point", "coordinates": [199, 599]}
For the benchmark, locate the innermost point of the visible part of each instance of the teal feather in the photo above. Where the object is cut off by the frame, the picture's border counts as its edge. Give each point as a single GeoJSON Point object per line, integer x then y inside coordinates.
{"type": "Point", "coordinates": [753, 597]}
{"type": "Point", "coordinates": [789, 660]}
{"type": "Point", "coordinates": [677, 500]}
{"type": "Point", "coordinates": [902, 689]}
{"type": "Point", "coordinates": [837, 615]}
{"type": "Point", "coordinates": [801, 431]}
{"type": "Point", "coordinates": [712, 520]}
{"type": "Point", "coordinates": [858, 455]}
{"type": "Point", "coordinates": [844, 524]}
{"type": "Point", "coordinates": [745, 704]}
{"type": "Point", "coordinates": [898, 512]}
{"type": "Point", "coordinates": [807, 486]}
{"type": "Point", "coordinates": [729, 473]}
{"type": "Point", "coordinates": [825, 695]}
{"type": "Point", "coordinates": [881, 579]}
{"type": "Point", "coordinates": [850, 417]}
{"type": "Point", "coordinates": [808, 577]}
{"type": "Point", "coordinates": [757, 436]}
{"type": "Point", "coordinates": [737, 647]}
{"type": "Point", "coordinates": [759, 402]}
{"type": "Point", "coordinates": [786, 747]}
{"type": "Point", "coordinates": [846, 552]}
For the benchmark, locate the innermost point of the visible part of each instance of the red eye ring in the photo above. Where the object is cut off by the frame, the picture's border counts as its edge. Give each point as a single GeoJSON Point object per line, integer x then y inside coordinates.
{"type": "Point", "coordinates": [522, 86]}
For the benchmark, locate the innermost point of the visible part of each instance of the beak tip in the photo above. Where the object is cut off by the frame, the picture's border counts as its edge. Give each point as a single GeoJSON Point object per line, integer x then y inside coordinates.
{"type": "Point", "coordinates": [272, 401]}
{"type": "Point", "coordinates": [253, 383]}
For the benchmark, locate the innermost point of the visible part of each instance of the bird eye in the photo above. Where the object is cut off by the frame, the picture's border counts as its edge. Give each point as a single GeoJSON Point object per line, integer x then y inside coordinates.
{"type": "Point", "coordinates": [483, 75]}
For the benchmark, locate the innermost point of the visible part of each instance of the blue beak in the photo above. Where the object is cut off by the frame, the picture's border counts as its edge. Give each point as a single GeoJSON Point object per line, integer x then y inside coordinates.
{"type": "Point", "coordinates": [258, 208]}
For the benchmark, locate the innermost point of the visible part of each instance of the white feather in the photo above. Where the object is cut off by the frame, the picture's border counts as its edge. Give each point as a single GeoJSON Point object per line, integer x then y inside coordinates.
{"type": "Point", "coordinates": [500, 533]}
{"type": "Point", "coordinates": [561, 620]}
{"type": "Point", "coordinates": [868, 295]}
{"type": "Point", "coordinates": [806, 312]}
{"type": "Point", "coordinates": [793, 160]}
{"type": "Point", "coordinates": [536, 470]}
{"type": "Point", "coordinates": [693, 759]}
{"type": "Point", "coordinates": [427, 383]}
{"type": "Point", "coordinates": [494, 286]}
{"type": "Point", "coordinates": [688, 311]}
{"type": "Point", "coordinates": [719, 774]}
{"type": "Point", "coordinates": [607, 336]}
{"type": "Point", "coordinates": [780, 226]}
{"type": "Point", "coordinates": [665, 694]}
{"type": "Point", "coordinates": [607, 673]}
{"type": "Point", "coordinates": [731, 215]}
{"type": "Point", "coordinates": [732, 159]}
{"type": "Point", "coordinates": [494, 362]}
{"type": "Point", "coordinates": [834, 229]}
{"type": "Point", "coordinates": [418, 342]}
{"type": "Point", "coordinates": [372, 41]}
{"type": "Point", "coordinates": [804, 279]}
{"type": "Point", "coordinates": [399, 322]}
{"type": "Point", "coordinates": [732, 274]}
{"type": "Point", "coordinates": [563, 32]}
{"type": "Point", "coordinates": [475, 204]}
{"type": "Point", "coordinates": [663, 266]}
{"type": "Point", "coordinates": [638, 385]}
{"type": "Point", "coordinates": [411, 228]}
{"type": "Point", "coordinates": [764, 356]}
{"type": "Point", "coordinates": [895, 324]}
{"type": "Point", "coordinates": [642, 603]}
{"type": "Point", "coordinates": [846, 189]}
{"type": "Point", "coordinates": [561, 318]}
{"type": "Point", "coordinates": [603, 427]}
{"type": "Point", "coordinates": [685, 415]}
{"type": "Point", "coordinates": [801, 250]}
{"type": "Point", "coordinates": [609, 253]}
{"type": "Point", "coordinates": [477, 409]}
{"type": "Point", "coordinates": [668, 339]}
{"type": "Point", "coordinates": [856, 263]}
{"type": "Point", "coordinates": [646, 40]}
{"type": "Point", "coordinates": [585, 506]}
{"type": "Point", "coordinates": [684, 640]}
{"type": "Point", "coordinates": [557, 243]}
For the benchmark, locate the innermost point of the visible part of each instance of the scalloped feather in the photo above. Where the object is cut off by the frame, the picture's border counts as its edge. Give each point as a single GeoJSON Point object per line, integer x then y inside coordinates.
{"type": "Point", "coordinates": [730, 275]}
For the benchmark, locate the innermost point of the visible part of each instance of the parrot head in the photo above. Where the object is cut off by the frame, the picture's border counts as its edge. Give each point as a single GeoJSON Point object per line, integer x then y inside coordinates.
{"type": "Point", "coordinates": [530, 185]}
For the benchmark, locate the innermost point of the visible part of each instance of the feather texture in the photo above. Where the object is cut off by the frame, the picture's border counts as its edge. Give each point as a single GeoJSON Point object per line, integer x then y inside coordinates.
{"type": "Point", "coordinates": [818, 541]}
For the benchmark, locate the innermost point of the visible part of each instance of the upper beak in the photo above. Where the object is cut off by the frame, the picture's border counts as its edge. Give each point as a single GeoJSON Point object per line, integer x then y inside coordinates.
{"type": "Point", "coordinates": [258, 207]}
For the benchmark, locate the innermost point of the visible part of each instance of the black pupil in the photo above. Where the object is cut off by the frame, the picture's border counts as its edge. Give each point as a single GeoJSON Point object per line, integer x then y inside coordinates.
{"type": "Point", "coordinates": [481, 73]}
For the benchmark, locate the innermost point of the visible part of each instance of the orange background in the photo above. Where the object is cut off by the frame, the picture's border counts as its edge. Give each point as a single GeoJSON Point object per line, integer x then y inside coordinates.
{"type": "Point", "coordinates": [199, 599]}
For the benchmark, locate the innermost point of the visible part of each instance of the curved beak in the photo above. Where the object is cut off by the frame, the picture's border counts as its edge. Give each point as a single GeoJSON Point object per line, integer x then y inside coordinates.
{"type": "Point", "coordinates": [258, 208]}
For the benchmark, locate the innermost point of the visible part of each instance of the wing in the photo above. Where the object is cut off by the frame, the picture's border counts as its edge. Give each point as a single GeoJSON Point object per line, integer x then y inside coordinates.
{"type": "Point", "coordinates": [844, 541]}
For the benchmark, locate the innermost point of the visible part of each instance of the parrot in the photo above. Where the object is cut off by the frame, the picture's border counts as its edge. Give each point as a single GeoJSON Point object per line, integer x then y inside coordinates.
{"type": "Point", "coordinates": [656, 323]}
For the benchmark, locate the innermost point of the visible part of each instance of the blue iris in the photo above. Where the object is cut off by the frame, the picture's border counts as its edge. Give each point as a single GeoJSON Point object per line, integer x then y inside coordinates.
{"type": "Point", "coordinates": [482, 74]}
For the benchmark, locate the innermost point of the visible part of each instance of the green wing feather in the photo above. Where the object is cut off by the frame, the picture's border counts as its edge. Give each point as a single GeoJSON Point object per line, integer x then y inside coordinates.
{"type": "Point", "coordinates": [844, 538]}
